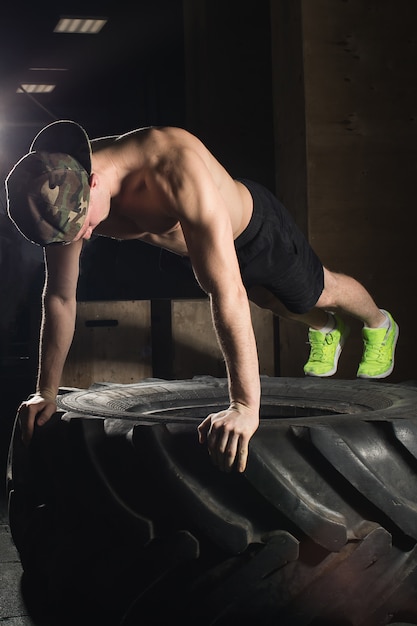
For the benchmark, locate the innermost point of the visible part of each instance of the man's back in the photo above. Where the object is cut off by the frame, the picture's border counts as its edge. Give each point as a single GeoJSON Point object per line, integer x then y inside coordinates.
{"type": "Point", "coordinates": [160, 174]}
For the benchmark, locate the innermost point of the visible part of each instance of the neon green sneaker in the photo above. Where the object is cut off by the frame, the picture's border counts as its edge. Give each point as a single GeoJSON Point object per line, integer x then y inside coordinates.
{"type": "Point", "coordinates": [379, 347]}
{"type": "Point", "coordinates": [325, 350]}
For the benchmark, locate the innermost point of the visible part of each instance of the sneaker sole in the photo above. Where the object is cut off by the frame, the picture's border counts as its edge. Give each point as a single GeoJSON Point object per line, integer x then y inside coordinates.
{"type": "Point", "coordinates": [388, 371]}
{"type": "Point", "coordinates": [336, 359]}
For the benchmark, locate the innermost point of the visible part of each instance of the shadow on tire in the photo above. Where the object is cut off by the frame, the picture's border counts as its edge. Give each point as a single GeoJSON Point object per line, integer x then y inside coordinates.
{"type": "Point", "coordinates": [119, 516]}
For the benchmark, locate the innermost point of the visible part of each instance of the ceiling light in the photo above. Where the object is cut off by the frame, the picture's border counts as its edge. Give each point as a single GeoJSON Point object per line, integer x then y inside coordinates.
{"type": "Point", "coordinates": [80, 25]}
{"type": "Point", "coordinates": [35, 88]}
{"type": "Point", "coordinates": [48, 69]}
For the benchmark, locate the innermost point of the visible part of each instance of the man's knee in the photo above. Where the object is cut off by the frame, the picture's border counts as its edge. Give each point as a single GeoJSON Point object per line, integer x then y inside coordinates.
{"type": "Point", "coordinates": [326, 301]}
{"type": "Point", "coordinates": [328, 297]}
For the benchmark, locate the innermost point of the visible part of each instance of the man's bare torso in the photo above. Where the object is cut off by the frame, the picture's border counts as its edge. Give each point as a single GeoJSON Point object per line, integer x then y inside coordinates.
{"type": "Point", "coordinates": [144, 207]}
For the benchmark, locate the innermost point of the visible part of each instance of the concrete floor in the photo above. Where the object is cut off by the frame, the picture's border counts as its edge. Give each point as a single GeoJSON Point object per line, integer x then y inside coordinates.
{"type": "Point", "coordinates": [12, 609]}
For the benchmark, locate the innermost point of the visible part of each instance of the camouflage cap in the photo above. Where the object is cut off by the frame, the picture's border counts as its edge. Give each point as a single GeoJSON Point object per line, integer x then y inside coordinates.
{"type": "Point", "coordinates": [48, 189]}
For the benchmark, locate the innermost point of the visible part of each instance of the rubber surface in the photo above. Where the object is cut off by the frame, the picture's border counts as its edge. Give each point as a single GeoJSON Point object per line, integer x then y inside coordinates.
{"type": "Point", "coordinates": [116, 508]}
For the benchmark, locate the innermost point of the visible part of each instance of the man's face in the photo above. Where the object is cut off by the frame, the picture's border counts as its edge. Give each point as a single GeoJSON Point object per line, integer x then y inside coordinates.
{"type": "Point", "coordinates": [93, 217]}
{"type": "Point", "coordinates": [85, 232]}
{"type": "Point", "coordinates": [97, 211]}
{"type": "Point", "coordinates": [87, 228]}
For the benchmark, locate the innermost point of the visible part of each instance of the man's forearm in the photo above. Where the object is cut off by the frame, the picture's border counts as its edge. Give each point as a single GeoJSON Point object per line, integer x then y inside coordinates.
{"type": "Point", "coordinates": [57, 332]}
{"type": "Point", "coordinates": [237, 340]}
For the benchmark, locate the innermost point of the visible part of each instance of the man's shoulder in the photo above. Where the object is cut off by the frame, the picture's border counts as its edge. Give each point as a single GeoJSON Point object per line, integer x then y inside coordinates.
{"type": "Point", "coordinates": [151, 145]}
{"type": "Point", "coordinates": [138, 135]}
{"type": "Point", "coordinates": [141, 135]}
{"type": "Point", "coordinates": [103, 142]}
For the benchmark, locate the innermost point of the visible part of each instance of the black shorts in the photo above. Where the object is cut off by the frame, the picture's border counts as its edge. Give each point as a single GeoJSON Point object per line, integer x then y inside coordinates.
{"type": "Point", "coordinates": [274, 253]}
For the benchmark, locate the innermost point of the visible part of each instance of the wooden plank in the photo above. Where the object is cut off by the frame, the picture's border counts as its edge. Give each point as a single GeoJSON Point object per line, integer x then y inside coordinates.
{"type": "Point", "coordinates": [112, 343]}
{"type": "Point", "coordinates": [195, 348]}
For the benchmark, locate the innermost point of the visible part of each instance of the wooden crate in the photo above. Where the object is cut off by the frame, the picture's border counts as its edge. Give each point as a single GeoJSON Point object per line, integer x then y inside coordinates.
{"type": "Point", "coordinates": [195, 347]}
{"type": "Point", "coordinates": [112, 343]}
{"type": "Point", "coordinates": [126, 341]}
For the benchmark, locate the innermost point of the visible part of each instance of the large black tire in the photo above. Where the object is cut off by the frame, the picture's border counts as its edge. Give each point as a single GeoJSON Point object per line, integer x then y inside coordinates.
{"type": "Point", "coordinates": [119, 515]}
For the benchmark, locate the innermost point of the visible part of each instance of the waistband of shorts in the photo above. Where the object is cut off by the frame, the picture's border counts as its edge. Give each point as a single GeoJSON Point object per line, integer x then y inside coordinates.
{"type": "Point", "coordinates": [256, 219]}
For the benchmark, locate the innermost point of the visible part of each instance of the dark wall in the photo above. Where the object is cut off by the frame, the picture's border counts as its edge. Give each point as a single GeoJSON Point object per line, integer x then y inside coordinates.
{"type": "Point", "coordinates": [229, 83]}
{"type": "Point", "coordinates": [140, 81]}
{"type": "Point", "coordinates": [228, 87]}
{"type": "Point", "coordinates": [349, 72]}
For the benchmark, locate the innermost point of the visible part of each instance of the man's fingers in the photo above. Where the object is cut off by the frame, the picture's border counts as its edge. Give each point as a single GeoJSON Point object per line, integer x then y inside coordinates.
{"type": "Point", "coordinates": [216, 444]}
{"type": "Point", "coordinates": [227, 436]}
{"type": "Point", "coordinates": [203, 429]}
{"type": "Point", "coordinates": [32, 413]}
{"type": "Point", "coordinates": [223, 446]}
{"type": "Point", "coordinates": [242, 457]}
{"type": "Point", "coordinates": [229, 455]}
{"type": "Point", "coordinates": [44, 415]}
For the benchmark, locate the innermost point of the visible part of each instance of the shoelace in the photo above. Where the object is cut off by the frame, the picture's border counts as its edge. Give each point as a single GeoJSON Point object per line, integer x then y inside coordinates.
{"type": "Point", "coordinates": [319, 346]}
{"type": "Point", "coordinates": [375, 352]}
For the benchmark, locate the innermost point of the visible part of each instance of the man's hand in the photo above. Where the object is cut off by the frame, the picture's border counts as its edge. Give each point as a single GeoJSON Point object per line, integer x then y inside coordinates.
{"type": "Point", "coordinates": [38, 409]}
{"type": "Point", "coordinates": [227, 434]}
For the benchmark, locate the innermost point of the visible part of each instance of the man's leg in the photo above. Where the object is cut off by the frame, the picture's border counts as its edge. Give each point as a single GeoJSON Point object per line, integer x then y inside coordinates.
{"type": "Point", "coordinates": [327, 332]}
{"type": "Point", "coordinates": [344, 294]}
{"type": "Point", "coordinates": [341, 294]}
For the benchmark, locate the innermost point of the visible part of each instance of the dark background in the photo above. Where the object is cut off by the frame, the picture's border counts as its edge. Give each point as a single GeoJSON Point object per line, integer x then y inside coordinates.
{"type": "Point", "coordinates": [129, 75]}
{"type": "Point", "coordinates": [316, 99]}
{"type": "Point", "coordinates": [132, 74]}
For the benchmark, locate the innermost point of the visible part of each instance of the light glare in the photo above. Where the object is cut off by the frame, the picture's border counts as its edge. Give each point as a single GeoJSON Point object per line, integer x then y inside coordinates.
{"type": "Point", "coordinates": [35, 88]}
{"type": "Point", "coordinates": [78, 25]}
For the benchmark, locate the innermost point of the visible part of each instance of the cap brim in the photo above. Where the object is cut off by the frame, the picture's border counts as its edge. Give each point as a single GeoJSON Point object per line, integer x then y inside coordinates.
{"type": "Point", "coordinates": [67, 137]}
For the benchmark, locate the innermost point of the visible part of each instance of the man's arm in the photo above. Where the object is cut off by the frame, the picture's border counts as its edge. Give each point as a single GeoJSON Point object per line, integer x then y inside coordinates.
{"type": "Point", "coordinates": [57, 330]}
{"type": "Point", "coordinates": [206, 224]}
{"type": "Point", "coordinates": [228, 432]}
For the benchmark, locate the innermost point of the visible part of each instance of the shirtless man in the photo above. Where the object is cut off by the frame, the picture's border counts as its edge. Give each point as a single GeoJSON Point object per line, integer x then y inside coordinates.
{"type": "Point", "coordinates": [163, 186]}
